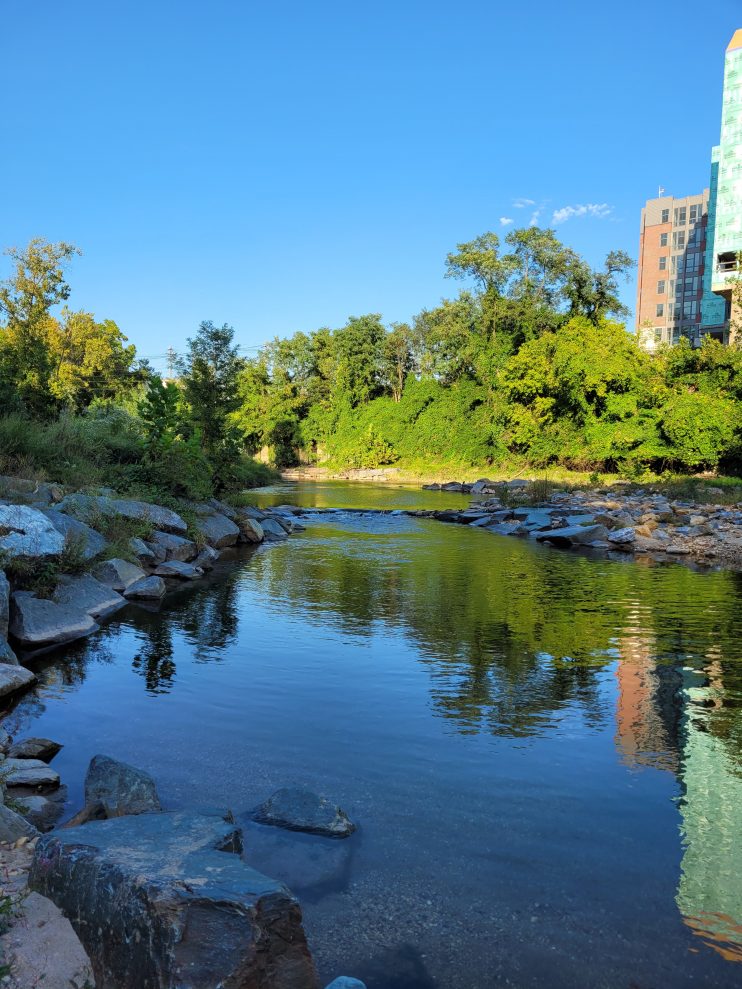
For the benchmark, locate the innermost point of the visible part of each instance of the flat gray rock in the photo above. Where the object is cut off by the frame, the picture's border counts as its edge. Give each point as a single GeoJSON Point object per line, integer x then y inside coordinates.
{"type": "Point", "coordinates": [28, 772]}
{"type": "Point", "coordinates": [301, 810]}
{"type": "Point", "coordinates": [218, 531]}
{"type": "Point", "coordinates": [161, 900]}
{"type": "Point", "coordinates": [28, 532]}
{"type": "Point", "coordinates": [273, 530]}
{"type": "Point", "coordinates": [118, 574]}
{"type": "Point", "coordinates": [13, 826]}
{"type": "Point", "coordinates": [91, 543]}
{"type": "Point", "coordinates": [34, 748]}
{"type": "Point", "coordinates": [174, 568]}
{"type": "Point", "coordinates": [146, 589]}
{"type": "Point", "coordinates": [87, 594]}
{"type": "Point", "coordinates": [37, 623]}
{"type": "Point", "coordinates": [174, 547]}
{"type": "Point", "coordinates": [573, 535]}
{"type": "Point", "coordinates": [87, 507]}
{"type": "Point", "coordinates": [622, 536]}
{"type": "Point", "coordinates": [14, 678]}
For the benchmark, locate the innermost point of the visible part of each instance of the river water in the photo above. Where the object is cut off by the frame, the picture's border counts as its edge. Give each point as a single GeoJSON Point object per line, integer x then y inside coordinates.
{"type": "Point", "coordinates": [543, 750]}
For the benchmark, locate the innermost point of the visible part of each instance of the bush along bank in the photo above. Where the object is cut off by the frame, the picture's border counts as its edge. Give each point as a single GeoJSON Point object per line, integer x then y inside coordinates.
{"type": "Point", "coordinates": [623, 519]}
{"type": "Point", "coordinates": [68, 560]}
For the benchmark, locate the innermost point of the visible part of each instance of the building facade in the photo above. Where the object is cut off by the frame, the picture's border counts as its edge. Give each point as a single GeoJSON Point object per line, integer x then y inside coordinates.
{"type": "Point", "coordinates": [690, 250]}
{"type": "Point", "coordinates": [672, 246]}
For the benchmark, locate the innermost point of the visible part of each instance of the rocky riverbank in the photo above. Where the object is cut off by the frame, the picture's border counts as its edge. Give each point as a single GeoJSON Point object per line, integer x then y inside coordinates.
{"type": "Point", "coordinates": [619, 519]}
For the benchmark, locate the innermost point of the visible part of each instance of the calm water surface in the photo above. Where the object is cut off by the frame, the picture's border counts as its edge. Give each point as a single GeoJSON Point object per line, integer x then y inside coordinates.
{"type": "Point", "coordinates": [543, 750]}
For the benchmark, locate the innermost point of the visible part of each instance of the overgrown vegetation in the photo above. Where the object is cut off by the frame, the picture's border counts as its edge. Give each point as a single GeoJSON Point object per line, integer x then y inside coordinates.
{"type": "Point", "coordinates": [80, 408]}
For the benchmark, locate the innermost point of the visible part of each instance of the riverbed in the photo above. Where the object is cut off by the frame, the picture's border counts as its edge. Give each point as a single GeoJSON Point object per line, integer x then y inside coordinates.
{"type": "Point", "coordinates": [543, 750]}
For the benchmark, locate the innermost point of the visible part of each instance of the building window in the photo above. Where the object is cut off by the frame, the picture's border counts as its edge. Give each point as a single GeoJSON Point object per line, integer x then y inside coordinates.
{"type": "Point", "coordinates": [695, 214]}
{"type": "Point", "coordinates": [663, 240]}
{"type": "Point", "coordinates": [663, 264]}
{"type": "Point", "coordinates": [660, 309]}
{"type": "Point", "coordinates": [680, 216]}
{"type": "Point", "coordinates": [660, 288]}
{"type": "Point", "coordinates": [678, 240]}
{"type": "Point", "coordinates": [665, 216]}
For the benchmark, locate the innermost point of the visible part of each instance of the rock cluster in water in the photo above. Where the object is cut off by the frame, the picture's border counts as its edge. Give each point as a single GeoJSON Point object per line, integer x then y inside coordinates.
{"type": "Point", "coordinates": [635, 521]}
{"type": "Point", "coordinates": [48, 523]}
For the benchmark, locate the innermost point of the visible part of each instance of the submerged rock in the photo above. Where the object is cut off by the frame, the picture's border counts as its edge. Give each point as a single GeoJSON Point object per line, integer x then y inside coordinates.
{"type": "Point", "coordinates": [161, 901]}
{"type": "Point", "coordinates": [27, 532]}
{"type": "Point", "coordinates": [87, 594]}
{"type": "Point", "coordinates": [37, 623]}
{"type": "Point", "coordinates": [34, 748]}
{"type": "Point", "coordinates": [301, 810]}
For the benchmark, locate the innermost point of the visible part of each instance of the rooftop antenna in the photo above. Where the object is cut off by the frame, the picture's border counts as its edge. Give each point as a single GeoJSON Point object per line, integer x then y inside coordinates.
{"type": "Point", "coordinates": [171, 357]}
{"type": "Point", "coordinates": [660, 192]}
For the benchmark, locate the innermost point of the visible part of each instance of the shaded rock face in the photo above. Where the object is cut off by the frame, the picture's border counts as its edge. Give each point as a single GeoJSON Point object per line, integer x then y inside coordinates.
{"type": "Point", "coordinates": [146, 589]}
{"type": "Point", "coordinates": [219, 531]}
{"type": "Point", "coordinates": [141, 550]}
{"type": "Point", "coordinates": [36, 623]}
{"type": "Point", "coordinates": [159, 901]}
{"type": "Point", "coordinates": [29, 772]}
{"type": "Point", "coordinates": [175, 568]}
{"type": "Point", "coordinates": [40, 811]}
{"type": "Point", "coordinates": [86, 507]}
{"type": "Point", "coordinates": [207, 558]}
{"type": "Point", "coordinates": [87, 594]}
{"type": "Point", "coordinates": [174, 547]}
{"type": "Point", "coordinates": [14, 678]}
{"type": "Point", "coordinates": [13, 826]}
{"type": "Point", "coordinates": [91, 543]}
{"type": "Point", "coordinates": [302, 810]}
{"type": "Point", "coordinates": [118, 788]}
{"type": "Point", "coordinates": [7, 656]}
{"type": "Point", "coordinates": [26, 531]}
{"type": "Point", "coordinates": [118, 574]}
{"type": "Point", "coordinates": [4, 605]}
{"type": "Point", "coordinates": [252, 530]}
{"type": "Point", "coordinates": [34, 748]}
{"type": "Point", "coordinates": [273, 530]}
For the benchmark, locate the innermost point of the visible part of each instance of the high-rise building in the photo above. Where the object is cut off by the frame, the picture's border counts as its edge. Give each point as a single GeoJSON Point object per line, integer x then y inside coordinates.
{"type": "Point", "coordinates": [672, 244]}
{"type": "Point", "coordinates": [724, 244]}
{"type": "Point", "coordinates": [690, 250]}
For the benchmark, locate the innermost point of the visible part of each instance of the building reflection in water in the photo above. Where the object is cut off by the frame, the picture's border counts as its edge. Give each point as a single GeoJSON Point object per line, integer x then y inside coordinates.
{"type": "Point", "coordinates": [665, 719]}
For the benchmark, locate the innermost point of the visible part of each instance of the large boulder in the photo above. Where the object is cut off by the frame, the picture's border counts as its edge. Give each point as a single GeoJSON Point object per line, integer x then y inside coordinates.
{"type": "Point", "coordinates": [28, 772]}
{"type": "Point", "coordinates": [37, 623]}
{"type": "Point", "coordinates": [115, 789]}
{"type": "Point", "coordinates": [218, 531]}
{"type": "Point", "coordinates": [88, 507]}
{"type": "Point", "coordinates": [174, 547]}
{"type": "Point", "coordinates": [146, 589]}
{"type": "Point", "coordinates": [27, 532]}
{"type": "Point", "coordinates": [34, 748]}
{"type": "Point", "coordinates": [118, 574]}
{"type": "Point", "coordinates": [14, 678]}
{"type": "Point", "coordinates": [75, 532]}
{"type": "Point", "coordinates": [87, 594]}
{"type": "Point", "coordinates": [7, 656]}
{"type": "Point", "coordinates": [161, 901]}
{"type": "Point", "coordinates": [301, 810]}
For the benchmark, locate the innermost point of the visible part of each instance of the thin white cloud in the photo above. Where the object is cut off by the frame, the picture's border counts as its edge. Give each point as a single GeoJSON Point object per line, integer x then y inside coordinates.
{"type": "Point", "coordinates": [505, 221]}
{"type": "Point", "coordinates": [597, 210]}
{"type": "Point", "coordinates": [522, 203]}
{"type": "Point", "coordinates": [533, 222]}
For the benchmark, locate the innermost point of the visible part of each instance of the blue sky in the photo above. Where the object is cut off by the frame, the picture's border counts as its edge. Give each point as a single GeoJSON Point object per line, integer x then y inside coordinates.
{"type": "Point", "coordinates": [281, 166]}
